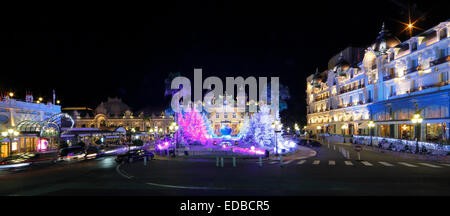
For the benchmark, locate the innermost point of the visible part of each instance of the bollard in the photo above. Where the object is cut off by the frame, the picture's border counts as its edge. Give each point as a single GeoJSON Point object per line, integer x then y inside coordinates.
{"type": "Point", "coordinates": [234, 161]}
{"type": "Point", "coordinates": [348, 155]}
{"type": "Point", "coordinates": [145, 161]}
{"type": "Point", "coordinates": [260, 162]}
{"type": "Point", "coordinates": [328, 145]}
{"type": "Point", "coordinates": [334, 147]}
{"type": "Point", "coordinates": [359, 156]}
{"type": "Point", "coordinates": [217, 161]}
{"type": "Point", "coordinates": [281, 160]}
{"type": "Point", "coordinates": [221, 162]}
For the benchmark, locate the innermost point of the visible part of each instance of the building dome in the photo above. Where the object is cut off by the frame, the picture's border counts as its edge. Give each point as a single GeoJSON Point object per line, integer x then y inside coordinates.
{"type": "Point", "coordinates": [112, 107]}
{"type": "Point", "coordinates": [384, 41]}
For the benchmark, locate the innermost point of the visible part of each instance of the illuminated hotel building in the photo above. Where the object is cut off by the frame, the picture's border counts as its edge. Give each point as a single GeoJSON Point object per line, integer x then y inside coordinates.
{"type": "Point", "coordinates": [384, 83]}
{"type": "Point", "coordinates": [12, 113]}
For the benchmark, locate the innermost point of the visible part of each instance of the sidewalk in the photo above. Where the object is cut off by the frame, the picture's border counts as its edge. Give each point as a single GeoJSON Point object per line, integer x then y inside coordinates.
{"type": "Point", "coordinates": [435, 158]}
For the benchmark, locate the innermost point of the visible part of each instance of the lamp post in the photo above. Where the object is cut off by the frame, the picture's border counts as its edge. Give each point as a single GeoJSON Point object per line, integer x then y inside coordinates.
{"type": "Point", "coordinates": [277, 128]}
{"type": "Point", "coordinates": [371, 125]}
{"type": "Point", "coordinates": [344, 127]}
{"type": "Point", "coordinates": [297, 128]}
{"type": "Point", "coordinates": [10, 134]}
{"type": "Point", "coordinates": [417, 120]}
{"type": "Point", "coordinates": [173, 129]}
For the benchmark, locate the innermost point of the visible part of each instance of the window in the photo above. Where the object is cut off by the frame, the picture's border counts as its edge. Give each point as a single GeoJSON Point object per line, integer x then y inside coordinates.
{"type": "Point", "coordinates": [361, 97]}
{"type": "Point", "coordinates": [414, 46]}
{"type": "Point", "coordinates": [442, 53]}
{"type": "Point", "coordinates": [443, 33]}
{"type": "Point", "coordinates": [225, 115]}
{"type": "Point", "coordinates": [413, 63]}
{"type": "Point", "coordinates": [392, 92]}
{"type": "Point", "coordinates": [217, 115]}
{"type": "Point", "coordinates": [234, 115]}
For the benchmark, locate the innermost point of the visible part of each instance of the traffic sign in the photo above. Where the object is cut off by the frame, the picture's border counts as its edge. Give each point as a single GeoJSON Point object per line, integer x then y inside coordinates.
{"type": "Point", "coordinates": [358, 148]}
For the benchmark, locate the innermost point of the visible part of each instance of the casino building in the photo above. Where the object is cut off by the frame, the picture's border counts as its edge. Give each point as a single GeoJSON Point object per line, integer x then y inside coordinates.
{"type": "Point", "coordinates": [113, 113]}
{"type": "Point", "coordinates": [387, 83]}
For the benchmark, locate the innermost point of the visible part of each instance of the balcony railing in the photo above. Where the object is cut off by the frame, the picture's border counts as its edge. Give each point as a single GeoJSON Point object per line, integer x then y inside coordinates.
{"type": "Point", "coordinates": [342, 91]}
{"type": "Point", "coordinates": [440, 60]}
{"type": "Point", "coordinates": [412, 70]}
{"type": "Point", "coordinates": [388, 77]}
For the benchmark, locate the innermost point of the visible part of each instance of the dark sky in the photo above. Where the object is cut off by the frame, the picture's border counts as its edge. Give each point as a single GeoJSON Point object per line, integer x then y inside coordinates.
{"type": "Point", "coordinates": [90, 52]}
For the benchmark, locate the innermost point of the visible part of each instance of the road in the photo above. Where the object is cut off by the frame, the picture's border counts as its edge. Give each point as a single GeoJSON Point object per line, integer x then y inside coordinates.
{"type": "Point", "coordinates": [328, 173]}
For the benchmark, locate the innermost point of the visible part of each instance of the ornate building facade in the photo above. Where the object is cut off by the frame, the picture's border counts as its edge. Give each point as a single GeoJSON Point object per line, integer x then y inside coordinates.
{"type": "Point", "coordinates": [113, 114]}
{"type": "Point", "coordinates": [387, 83]}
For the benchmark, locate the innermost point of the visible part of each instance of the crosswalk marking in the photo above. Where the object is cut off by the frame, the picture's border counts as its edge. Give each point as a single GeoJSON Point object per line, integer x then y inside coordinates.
{"type": "Point", "coordinates": [331, 162]}
{"type": "Point", "coordinates": [301, 162]}
{"type": "Point", "coordinates": [288, 162]}
{"type": "Point", "coordinates": [407, 164]}
{"type": "Point", "coordinates": [316, 162]}
{"type": "Point", "coordinates": [385, 163]}
{"type": "Point", "coordinates": [366, 163]}
{"type": "Point", "coordinates": [430, 165]}
{"type": "Point", "coordinates": [348, 163]}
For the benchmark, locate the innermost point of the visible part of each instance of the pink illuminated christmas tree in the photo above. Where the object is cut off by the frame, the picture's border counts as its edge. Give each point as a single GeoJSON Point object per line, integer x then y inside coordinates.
{"type": "Point", "coordinates": [193, 126]}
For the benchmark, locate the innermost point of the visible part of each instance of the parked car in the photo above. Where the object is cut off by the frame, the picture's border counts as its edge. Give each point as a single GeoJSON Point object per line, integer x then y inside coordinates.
{"type": "Point", "coordinates": [134, 155]}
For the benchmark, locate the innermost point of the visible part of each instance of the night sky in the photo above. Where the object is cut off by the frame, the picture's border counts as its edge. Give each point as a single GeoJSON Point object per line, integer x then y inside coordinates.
{"type": "Point", "coordinates": [89, 52]}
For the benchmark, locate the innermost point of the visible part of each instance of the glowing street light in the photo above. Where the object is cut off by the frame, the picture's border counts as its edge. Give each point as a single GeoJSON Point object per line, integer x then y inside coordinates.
{"type": "Point", "coordinates": [416, 120]}
{"type": "Point", "coordinates": [173, 129]}
{"type": "Point", "coordinates": [277, 128]}
{"type": "Point", "coordinates": [11, 94]}
{"type": "Point", "coordinates": [371, 126]}
{"type": "Point", "coordinates": [10, 134]}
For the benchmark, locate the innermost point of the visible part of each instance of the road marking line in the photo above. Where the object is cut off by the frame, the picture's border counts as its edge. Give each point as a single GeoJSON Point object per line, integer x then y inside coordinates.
{"type": "Point", "coordinates": [348, 163]}
{"type": "Point", "coordinates": [301, 162]}
{"type": "Point", "coordinates": [184, 187]}
{"type": "Point", "coordinates": [331, 163]}
{"type": "Point", "coordinates": [366, 163]}
{"type": "Point", "coordinates": [288, 162]}
{"type": "Point", "coordinates": [430, 165]}
{"type": "Point", "coordinates": [385, 163]}
{"type": "Point", "coordinates": [274, 162]}
{"type": "Point", "coordinates": [407, 164]}
{"type": "Point", "coordinates": [446, 165]}
{"type": "Point", "coordinates": [316, 162]}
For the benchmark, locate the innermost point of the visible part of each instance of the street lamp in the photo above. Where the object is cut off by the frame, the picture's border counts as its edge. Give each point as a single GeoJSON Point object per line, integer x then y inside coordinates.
{"type": "Point", "coordinates": [344, 127]}
{"type": "Point", "coordinates": [417, 120]}
{"type": "Point", "coordinates": [11, 94]}
{"type": "Point", "coordinates": [173, 129]}
{"type": "Point", "coordinates": [10, 134]}
{"type": "Point", "coordinates": [297, 128]}
{"type": "Point", "coordinates": [277, 128]}
{"type": "Point", "coordinates": [371, 126]}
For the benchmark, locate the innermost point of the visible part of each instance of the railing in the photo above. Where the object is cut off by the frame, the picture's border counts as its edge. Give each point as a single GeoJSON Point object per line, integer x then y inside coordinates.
{"type": "Point", "coordinates": [412, 70]}
{"type": "Point", "coordinates": [440, 60]}
{"type": "Point", "coordinates": [351, 89]}
{"type": "Point", "coordinates": [388, 77]}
